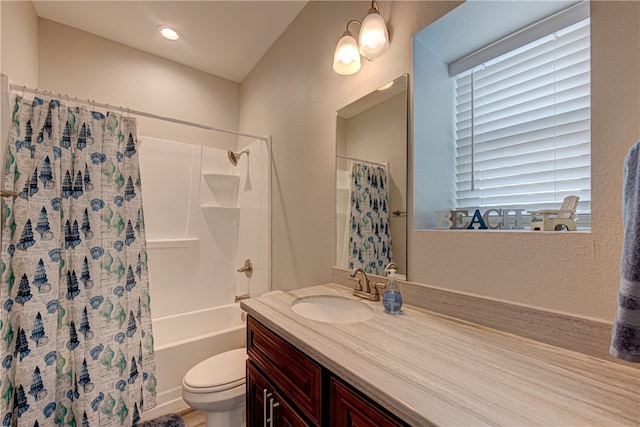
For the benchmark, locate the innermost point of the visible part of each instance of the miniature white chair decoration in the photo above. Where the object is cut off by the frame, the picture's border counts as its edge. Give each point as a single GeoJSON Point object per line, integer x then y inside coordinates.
{"type": "Point", "coordinates": [556, 219]}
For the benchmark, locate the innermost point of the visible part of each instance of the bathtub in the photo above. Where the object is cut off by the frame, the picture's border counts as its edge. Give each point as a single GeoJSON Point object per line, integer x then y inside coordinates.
{"type": "Point", "coordinates": [183, 340]}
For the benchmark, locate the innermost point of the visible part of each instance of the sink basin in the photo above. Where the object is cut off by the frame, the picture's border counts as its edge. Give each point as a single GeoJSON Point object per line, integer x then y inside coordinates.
{"type": "Point", "coordinates": [332, 309]}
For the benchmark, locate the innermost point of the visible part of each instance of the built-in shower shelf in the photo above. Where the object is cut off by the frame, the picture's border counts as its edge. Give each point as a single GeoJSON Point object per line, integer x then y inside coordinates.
{"type": "Point", "coordinates": [221, 179]}
{"type": "Point", "coordinates": [220, 210]}
{"type": "Point", "coordinates": [223, 187]}
{"type": "Point", "coordinates": [180, 243]}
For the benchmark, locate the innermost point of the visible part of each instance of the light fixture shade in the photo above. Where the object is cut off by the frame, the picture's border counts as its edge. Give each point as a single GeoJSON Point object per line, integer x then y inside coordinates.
{"type": "Point", "coordinates": [374, 36]}
{"type": "Point", "coordinates": [346, 60]}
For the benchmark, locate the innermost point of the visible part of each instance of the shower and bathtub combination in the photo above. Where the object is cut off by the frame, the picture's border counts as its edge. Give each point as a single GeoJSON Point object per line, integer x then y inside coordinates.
{"type": "Point", "coordinates": [207, 213]}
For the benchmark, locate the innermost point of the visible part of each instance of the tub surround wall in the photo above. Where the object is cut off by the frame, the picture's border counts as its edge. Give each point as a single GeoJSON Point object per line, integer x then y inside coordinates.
{"type": "Point", "coordinates": [204, 217]}
{"type": "Point", "coordinates": [576, 333]}
{"type": "Point", "coordinates": [192, 238]}
{"type": "Point", "coordinates": [254, 231]}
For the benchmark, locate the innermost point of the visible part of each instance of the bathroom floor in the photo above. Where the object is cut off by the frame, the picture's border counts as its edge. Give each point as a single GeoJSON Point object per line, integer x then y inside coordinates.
{"type": "Point", "coordinates": [193, 418]}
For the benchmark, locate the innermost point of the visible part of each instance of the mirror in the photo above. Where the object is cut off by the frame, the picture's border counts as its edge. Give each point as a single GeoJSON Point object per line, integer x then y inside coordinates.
{"type": "Point", "coordinates": [371, 210]}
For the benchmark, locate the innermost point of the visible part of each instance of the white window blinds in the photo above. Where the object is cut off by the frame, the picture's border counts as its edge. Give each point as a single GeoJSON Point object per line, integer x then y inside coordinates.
{"type": "Point", "coordinates": [522, 126]}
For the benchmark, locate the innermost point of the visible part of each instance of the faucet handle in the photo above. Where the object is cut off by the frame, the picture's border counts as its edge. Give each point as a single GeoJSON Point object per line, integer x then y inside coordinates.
{"type": "Point", "coordinates": [378, 288]}
{"type": "Point", "coordinates": [391, 266]}
{"type": "Point", "coordinates": [358, 286]}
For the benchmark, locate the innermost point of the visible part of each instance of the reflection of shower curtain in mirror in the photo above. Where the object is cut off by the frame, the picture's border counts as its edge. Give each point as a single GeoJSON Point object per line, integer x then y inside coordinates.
{"type": "Point", "coordinates": [77, 347]}
{"type": "Point", "coordinates": [369, 228]}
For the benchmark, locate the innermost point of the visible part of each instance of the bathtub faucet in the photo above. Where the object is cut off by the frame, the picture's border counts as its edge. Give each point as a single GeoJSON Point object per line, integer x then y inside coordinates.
{"type": "Point", "coordinates": [241, 297]}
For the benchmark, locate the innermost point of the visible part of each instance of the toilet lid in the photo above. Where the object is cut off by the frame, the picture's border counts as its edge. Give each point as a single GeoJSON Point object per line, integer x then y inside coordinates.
{"type": "Point", "coordinates": [220, 372]}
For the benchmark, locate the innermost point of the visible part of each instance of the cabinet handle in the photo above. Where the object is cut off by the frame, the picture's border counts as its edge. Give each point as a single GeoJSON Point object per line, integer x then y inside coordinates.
{"type": "Point", "coordinates": [265, 395]}
{"type": "Point", "coordinates": [272, 405]}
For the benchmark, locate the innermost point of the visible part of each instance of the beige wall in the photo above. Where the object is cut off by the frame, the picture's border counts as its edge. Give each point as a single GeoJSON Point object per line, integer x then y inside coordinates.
{"type": "Point", "coordinates": [19, 43]}
{"type": "Point", "coordinates": [80, 64]}
{"type": "Point", "coordinates": [18, 54]}
{"type": "Point", "coordinates": [293, 94]}
{"type": "Point", "coordinates": [44, 54]}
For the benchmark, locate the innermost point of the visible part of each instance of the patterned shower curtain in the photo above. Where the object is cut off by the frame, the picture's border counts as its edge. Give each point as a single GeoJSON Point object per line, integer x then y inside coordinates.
{"type": "Point", "coordinates": [75, 329]}
{"type": "Point", "coordinates": [369, 232]}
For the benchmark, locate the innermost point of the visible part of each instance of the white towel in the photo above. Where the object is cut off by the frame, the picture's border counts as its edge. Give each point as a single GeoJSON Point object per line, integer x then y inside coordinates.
{"type": "Point", "coordinates": [625, 342]}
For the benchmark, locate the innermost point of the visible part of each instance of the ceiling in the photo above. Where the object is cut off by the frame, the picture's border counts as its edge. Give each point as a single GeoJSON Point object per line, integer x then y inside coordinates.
{"type": "Point", "coordinates": [223, 38]}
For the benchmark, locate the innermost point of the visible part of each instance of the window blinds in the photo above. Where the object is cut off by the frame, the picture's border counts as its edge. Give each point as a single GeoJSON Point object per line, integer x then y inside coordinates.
{"type": "Point", "coordinates": [522, 126]}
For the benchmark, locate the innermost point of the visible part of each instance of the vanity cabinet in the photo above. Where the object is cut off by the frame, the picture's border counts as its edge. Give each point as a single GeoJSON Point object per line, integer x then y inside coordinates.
{"type": "Point", "coordinates": [265, 406]}
{"type": "Point", "coordinates": [349, 408]}
{"type": "Point", "coordinates": [287, 388]}
{"type": "Point", "coordinates": [293, 375]}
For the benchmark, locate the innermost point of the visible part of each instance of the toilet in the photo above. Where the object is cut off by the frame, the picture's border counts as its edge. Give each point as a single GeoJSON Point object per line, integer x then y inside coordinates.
{"type": "Point", "coordinates": [216, 386]}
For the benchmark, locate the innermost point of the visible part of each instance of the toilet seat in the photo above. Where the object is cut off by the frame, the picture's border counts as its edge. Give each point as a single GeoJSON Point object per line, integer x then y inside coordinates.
{"type": "Point", "coordinates": [221, 372]}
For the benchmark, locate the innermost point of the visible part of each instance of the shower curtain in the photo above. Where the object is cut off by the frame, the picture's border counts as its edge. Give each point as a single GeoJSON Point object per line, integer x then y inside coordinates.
{"type": "Point", "coordinates": [75, 332]}
{"type": "Point", "coordinates": [369, 228]}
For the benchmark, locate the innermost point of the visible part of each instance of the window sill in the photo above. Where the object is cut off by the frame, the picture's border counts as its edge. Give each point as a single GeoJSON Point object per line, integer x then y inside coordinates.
{"type": "Point", "coordinates": [521, 230]}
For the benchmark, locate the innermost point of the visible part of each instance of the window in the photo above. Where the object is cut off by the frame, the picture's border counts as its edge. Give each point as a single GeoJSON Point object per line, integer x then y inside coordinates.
{"type": "Point", "coordinates": [522, 126]}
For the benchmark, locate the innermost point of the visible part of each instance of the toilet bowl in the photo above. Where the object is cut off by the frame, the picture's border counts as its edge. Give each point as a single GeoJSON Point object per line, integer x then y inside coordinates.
{"type": "Point", "coordinates": [216, 386]}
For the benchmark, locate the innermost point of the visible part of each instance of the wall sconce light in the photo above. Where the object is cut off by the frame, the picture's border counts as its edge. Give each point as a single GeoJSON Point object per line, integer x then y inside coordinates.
{"type": "Point", "coordinates": [373, 42]}
{"type": "Point", "coordinates": [374, 35]}
{"type": "Point", "coordinates": [346, 60]}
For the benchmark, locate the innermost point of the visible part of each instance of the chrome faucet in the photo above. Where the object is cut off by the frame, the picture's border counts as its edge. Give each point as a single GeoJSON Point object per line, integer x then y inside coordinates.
{"type": "Point", "coordinates": [363, 288]}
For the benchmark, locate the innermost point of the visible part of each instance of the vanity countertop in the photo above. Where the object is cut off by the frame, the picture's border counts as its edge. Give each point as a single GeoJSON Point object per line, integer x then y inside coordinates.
{"type": "Point", "coordinates": [429, 369]}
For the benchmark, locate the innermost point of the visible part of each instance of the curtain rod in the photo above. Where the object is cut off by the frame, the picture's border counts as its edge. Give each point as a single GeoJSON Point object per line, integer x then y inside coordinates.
{"type": "Point", "coordinates": [384, 165]}
{"type": "Point", "coordinates": [18, 88]}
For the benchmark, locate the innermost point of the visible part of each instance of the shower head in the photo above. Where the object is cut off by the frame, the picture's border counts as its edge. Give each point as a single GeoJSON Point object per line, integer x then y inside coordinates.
{"type": "Point", "coordinates": [233, 156]}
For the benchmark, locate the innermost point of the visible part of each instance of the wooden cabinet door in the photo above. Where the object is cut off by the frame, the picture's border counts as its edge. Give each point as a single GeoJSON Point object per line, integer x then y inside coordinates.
{"type": "Point", "coordinates": [256, 384]}
{"type": "Point", "coordinates": [287, 368]}
{"type": "Point", "coordinates": [261, 397]}
{"type": "Point", "coordinates": [349, 409]}
{"type": "Point", "coordinates": [286, 416]}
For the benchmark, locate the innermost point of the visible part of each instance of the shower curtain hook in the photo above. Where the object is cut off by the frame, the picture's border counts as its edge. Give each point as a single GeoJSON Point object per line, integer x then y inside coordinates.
{"type": "Point", "coordinates": [24, 89]}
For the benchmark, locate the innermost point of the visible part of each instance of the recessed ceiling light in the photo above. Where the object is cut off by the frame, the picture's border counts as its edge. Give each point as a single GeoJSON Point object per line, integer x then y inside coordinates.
{"type": "Point", "coordinates": [168, 32]}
